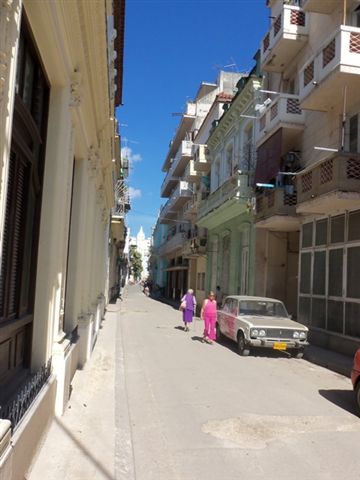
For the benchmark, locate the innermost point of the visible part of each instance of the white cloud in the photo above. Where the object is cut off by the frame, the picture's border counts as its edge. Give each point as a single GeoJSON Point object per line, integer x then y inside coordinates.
{"type": "Point", "coordinates": [134, 193]}
{"type": "Point", "coordinates": [126, 152]}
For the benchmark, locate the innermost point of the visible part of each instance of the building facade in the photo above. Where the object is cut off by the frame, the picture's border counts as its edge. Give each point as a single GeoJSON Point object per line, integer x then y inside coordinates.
{"type": "Point", "coordinates": [58, 172]}
{"type": "Point", "coordinates": [184, 247]}
{"type": "Point", "coordinates": [309, 132]}
{"type": "Point", "coordinates": [226, 212]}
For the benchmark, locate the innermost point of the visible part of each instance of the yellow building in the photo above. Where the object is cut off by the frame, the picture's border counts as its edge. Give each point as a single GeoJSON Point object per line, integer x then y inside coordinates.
{"type": "Point", "coordinates": [60, 81]}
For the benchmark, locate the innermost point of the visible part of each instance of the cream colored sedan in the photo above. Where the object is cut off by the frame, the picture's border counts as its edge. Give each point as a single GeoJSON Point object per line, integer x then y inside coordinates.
{"type": "Point", "coordinates": [260, 322]}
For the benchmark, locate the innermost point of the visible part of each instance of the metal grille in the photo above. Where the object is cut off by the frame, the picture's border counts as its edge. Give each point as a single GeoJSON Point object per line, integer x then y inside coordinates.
{"type": "Point", "coordinates": [354, 42]}
{"type": "Point", "coordinates": [328, 53]}
{"type": "Point", "coordinates": [290, 199]}
{"type": "Point", "coordinates": [279, 333]}
{"type": "Point", "coordinates": [297, 18]}
{"type": "Point", "coordinates": [277, 25]}
{"type": "Point", "coordinates": [326, 171]}
{"type": "Point", "coordinates": [293, 106]}
{"type": "Point", "coordinates": [306, 182]}
{"type": "Point", "coordinates": [16, 408]}
{"type": "Point", "coordinates": [274, 110]}
{"type": "Point", "coordinates": [262, 122]}
{"type": "Point", "coordinates": [309, 73]}
{"type": "Point", "coordinates": [353, 168]}
{"type": "Point", "coordinates": [266, 42]}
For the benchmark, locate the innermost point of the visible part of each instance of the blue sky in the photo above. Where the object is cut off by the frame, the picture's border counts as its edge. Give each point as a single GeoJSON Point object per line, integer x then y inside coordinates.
{"type": "Point", "coordinates": [171, 46]}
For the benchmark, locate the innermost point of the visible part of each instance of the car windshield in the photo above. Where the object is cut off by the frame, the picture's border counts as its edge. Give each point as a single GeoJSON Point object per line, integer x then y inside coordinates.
{"type": "Point", "coordinates": [263, 308]}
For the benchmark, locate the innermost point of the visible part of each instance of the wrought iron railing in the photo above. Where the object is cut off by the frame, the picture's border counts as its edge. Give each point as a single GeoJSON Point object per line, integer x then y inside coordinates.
{"type": "Point", "coordinates": [18, 405]}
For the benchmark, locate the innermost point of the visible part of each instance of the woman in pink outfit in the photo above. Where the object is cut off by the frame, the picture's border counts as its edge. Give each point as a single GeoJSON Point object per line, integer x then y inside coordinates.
{"type": "Point", "coordinates": [208, 314]}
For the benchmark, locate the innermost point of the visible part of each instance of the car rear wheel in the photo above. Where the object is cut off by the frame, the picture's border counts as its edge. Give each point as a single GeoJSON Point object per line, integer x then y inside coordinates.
{"type": "Point", "coordinates": [242, 348]}
{"type": "Point", "coordinates": [219, 335]}
{"type": "Point", "coordinates": [357, 397]}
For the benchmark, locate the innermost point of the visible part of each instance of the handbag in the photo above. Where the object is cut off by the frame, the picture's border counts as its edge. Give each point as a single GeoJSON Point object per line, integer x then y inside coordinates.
{"type": "Point", "coordinates": [183, 305]}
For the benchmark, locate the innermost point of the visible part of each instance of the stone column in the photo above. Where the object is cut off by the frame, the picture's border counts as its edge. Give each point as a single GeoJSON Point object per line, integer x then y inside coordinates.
{"type": "Point", "coordinates": [50, 281]}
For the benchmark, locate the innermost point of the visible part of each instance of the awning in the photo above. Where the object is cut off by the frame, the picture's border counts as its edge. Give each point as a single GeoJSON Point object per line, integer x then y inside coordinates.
{"type": "Point", "coordinates": [175, 269]}
{"type": "Point", "coordinates": [268, 163]}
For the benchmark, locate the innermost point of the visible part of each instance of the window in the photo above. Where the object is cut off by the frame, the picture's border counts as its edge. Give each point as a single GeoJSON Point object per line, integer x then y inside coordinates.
{"type": "Point", "coordinates": [352, 322]}
{"type": "Point", "coordinates": [307, 233]}
{"type": "Point", "coordinates": [337, 229]}
{"type": "Point", "coordinates": [319, 273]}
{"type": "Point", "coordinates": [318, 317]}
{"type": "Point", "coordinates": [335, 316]}
{"type": "Point", "coordinates": [321, 232]}
{"type": "Point", "coordinates": [304, 310]}
{"type": "Point", "coordinates": [335, 276]}
{"type": "Point", "coordinates": [305, 276]}
{"type": "Point", "coordinates": [353, 133]}
{"type": "Point", "coordinates": [353, 262]}
{"type": "Point", "coordinates": [354, 225]}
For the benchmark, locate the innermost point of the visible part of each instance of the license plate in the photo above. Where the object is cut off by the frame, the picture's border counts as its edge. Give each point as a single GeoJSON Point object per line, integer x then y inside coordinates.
{"type": "Point", "coordinates": [279, 346]}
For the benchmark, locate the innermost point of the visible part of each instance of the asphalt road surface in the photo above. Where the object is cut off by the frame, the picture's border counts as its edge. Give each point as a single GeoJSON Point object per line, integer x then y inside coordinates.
{"type": "Point", "coordinates": [193, 411]}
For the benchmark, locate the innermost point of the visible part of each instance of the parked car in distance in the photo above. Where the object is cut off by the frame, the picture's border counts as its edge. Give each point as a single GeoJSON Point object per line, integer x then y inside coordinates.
{"type": "Point", "coordinates": [260, 322]}
{"type": "Point", "coordinates": [355, 378]}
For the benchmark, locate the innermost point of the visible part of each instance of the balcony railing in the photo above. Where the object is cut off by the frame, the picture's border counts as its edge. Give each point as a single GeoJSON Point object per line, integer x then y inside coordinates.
{"type": "Point", "coordinates": [191, 174]}
{"type": "Point", "coordinates": [284, 110]}
{"type": "Point", "coordinates": [201, 158]}
{"type": "Point", "coordinates": [320, 6]}
{"type": "Point", "coordinates": [276, 209]}
{"type": "Point", "coordinates": [340, 57]}
{"type": "Point", "coordinates": [339, 173]}
{"type": "Point", "coordinates": [236, 187]}
{"type": "Point", "coordinates": [182, 157]}
{"type": "Point", "coordinates": [173, 243]}
{"type": "Point", "coordinates": [194, 247]}
{"type": "Point", "coordinates": [284, 40]}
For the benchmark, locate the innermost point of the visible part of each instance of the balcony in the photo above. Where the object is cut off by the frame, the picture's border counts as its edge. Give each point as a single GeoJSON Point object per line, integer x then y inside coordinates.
{"type": "Point", "coordinates": [191, 174]}
{"type": "Point", "coordinates": [283, 112]}
{"type": "Point", "coordinates": [174, 242]}
{"type": "Point", "coordinates": [195, 247]}
{"type": "Point", "coordinates": [276, 210]}
{"type": "Point", "coordinates": [285, 39]}
{"type": "Point", "coordinates": [336, 64]}
{"type": "Point", "coordinates": [201, 158]}
{"type": "Point", "coordinates": [182, 157]}
{"type": "Point", "coordinates": [167, 212]}
{"type": "Point", "coordinates": [329, 185]}
{"type": "Point", "coordinates": [229, 200]}
{"type": "Point", "coordinates": [320, 6]}
{"type": "Point", "coordinates": [169, 183]}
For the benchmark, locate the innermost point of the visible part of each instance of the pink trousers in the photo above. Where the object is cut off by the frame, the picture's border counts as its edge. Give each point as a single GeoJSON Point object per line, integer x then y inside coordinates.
{"type": "Point", "coordinates": [209, 330]}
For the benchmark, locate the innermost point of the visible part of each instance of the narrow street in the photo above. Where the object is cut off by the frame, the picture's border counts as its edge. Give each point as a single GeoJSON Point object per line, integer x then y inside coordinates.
{"type": "Point", "coordinates": [187, 410]}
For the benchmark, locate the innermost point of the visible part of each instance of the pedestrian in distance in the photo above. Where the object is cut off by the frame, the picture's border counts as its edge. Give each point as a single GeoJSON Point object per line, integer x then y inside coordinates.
{"type": "Point", "coordinates": [209, 314]}
{"type": "Point", "coordinates": [188, 305]}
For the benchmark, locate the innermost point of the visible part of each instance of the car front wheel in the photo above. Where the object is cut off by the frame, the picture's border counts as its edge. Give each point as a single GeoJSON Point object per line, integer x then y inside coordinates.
{"type": "Point", "coordinates": [242, 348]}
{"type": "Point", "coordinates": [357, 397]}
{"type": "Point", "coordinates": [298, 353]}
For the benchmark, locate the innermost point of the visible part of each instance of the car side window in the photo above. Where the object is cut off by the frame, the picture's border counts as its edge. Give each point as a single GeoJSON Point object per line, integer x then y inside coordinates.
{"type": "Point", "coordinates": [235, 308]}
{"type": "Point", "coordinates": [227, 305]}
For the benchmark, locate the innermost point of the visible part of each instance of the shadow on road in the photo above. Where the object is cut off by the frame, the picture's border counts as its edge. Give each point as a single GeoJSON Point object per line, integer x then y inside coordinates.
{"type": "Point", "coordinates": [342, 398]}
{"type": "Point", "coordinates": [255, 352]}
{"type": "Point", "coordinates": [195, 338]}
{"type": "Point", "coordinates": [180, 327]}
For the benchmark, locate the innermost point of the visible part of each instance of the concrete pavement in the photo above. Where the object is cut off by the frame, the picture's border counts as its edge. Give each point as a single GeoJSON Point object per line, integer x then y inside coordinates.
{"type": "Point", "coordinates": [103, 436]}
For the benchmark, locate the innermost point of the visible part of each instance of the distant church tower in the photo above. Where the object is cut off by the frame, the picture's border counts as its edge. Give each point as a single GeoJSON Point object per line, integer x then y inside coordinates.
{"type": "Point", "coordinates": [143, 246]}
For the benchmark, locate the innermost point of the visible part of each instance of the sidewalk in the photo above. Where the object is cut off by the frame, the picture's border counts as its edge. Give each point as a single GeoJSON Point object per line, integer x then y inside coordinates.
{"type": "Point", "coordinates": [81, 444]}
{"type": "Point", "coordinates": [334, 361]}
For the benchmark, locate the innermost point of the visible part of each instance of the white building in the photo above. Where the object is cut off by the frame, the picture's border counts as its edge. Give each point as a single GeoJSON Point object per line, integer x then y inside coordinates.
{"type": "Point", "coordinates": [143, 245]}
